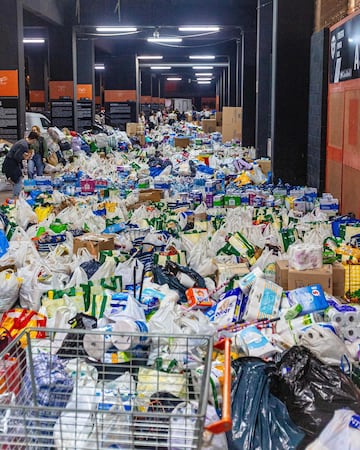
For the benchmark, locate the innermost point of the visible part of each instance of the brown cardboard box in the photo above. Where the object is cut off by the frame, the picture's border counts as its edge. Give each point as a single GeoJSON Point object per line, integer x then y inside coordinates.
{"type": "Point", "coordinates": [182, 142]}
{"type": "Point", "coordinates": [338, 280]}
{"type": "Point", "coordinates": [94, 243]}
{"type": "Point", "coordinates": [208, 125]}
{"type": "Point", "coordinates": [218, 129]}
{"type": "Point", "coordinates": [150, 195]}
{"type": "Point", "coordinates": [301, 278]}
{"type": "Point", "coordinates": [218, 117]}
{"type": "Point", "coordinates": [265, 165]}
{"type": "Point", "coordinates": [231, 123]}
{"type": "Point", "coordinates": [282, 273]}
{"type": "Point", "coordinates": [141, 137]}
{"type": "Point", "coordinates": [131, 128]}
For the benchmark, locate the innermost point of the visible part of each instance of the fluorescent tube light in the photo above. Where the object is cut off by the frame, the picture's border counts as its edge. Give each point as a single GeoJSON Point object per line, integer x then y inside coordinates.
{"type": "Point", "coordinates": [150, 57]}
{"type": "Point", "coordinates": [116, 29]}
{"type": "Point", "coordinates": [204, 79]}
{"type": "Point", "coordinates": [200, 28]}
{"type": "Point", "coordinates": [174, 79]}
{"type": "Point", "coordinates": [201, 57]}
{"type": "Point", "coordinates": [204, 82]}
{"type": "Point", "coordinates": [160, 67]}
{"type": "Point", "coordinates": [164, 39]}
{"type": "Point", "coordinates": [203, 67]}
{"type": "Point", "coordinates": [99, 67]}
{"type": "Point", "coordinates": [203, 74]}
{"type": "Point", "coordinates": [33, 40]}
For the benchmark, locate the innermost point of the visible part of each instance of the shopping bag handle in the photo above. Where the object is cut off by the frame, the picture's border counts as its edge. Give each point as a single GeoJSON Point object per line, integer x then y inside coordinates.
{"type": "Point", "coordinates": [225, 423]}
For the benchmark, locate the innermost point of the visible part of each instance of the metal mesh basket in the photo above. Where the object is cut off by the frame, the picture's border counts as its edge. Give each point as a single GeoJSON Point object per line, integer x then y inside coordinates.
{"type": "Point", "coordinates": [89, 389]}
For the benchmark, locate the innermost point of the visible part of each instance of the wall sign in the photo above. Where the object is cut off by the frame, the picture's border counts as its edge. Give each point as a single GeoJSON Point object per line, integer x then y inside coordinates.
{"type": "Point", "coordinates": [8, 119]}
{"type": "Point", "coordinates": [62, 114]}
{"type": "Point", "coordinates": [345, 51]}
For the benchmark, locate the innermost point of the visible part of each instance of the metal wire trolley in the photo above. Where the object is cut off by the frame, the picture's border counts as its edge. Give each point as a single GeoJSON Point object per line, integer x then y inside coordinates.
{"type": "Point", "coordinates": [98, 389]}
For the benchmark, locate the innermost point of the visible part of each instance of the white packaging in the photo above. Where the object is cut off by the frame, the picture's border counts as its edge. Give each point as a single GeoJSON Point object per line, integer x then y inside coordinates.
{"type": "Point", "coordinates": [255, 342]}
{"type": "Point", "coordinates": [305, 256]}
{"type": "Point", "coordinates": [264, 300]}
{"type": "Point", "coordinates": [248, 280]}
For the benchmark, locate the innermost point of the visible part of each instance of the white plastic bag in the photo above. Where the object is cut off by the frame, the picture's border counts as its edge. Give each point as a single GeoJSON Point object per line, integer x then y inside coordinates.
{"type": "Point", "coordinates": [324, 344]}
{"type": "Point", "coordinates": [338, 434]}
{"type": "Point", "coordinates": [32, 289]}
{"type": "Point", "coordinates": [24, 214]}
{"type": "Point", "coordinates": [9, 288]}
{"type": "Point", "coordinates": [75, 426]}
{"type": "Point", "coordinates": [106, 270]}
{"type": "Point", "coordinates": [127, 269]}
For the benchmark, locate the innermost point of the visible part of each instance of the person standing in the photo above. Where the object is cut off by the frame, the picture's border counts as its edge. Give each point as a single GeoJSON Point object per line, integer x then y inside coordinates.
{"type": "Point", "coordinates": [13, 163]}
{"type": "Point", "coordinates": [40, 155]}
{"type": "Point", "coordinates": [152, 121]}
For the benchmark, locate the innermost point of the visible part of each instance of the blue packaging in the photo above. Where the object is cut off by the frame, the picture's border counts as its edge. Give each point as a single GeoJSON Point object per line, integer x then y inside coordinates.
{"type": "Point", "coordinates": [310, 298]}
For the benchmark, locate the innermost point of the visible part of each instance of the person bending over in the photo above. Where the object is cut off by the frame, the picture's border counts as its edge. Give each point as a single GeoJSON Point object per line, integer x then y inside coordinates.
{"type": "Point", "coordinates": [13, 162]}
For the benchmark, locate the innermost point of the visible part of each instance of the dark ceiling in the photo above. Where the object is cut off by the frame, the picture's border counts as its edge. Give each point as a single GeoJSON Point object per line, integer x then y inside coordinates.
{"type": "Point", "coordinates": [232, 16]}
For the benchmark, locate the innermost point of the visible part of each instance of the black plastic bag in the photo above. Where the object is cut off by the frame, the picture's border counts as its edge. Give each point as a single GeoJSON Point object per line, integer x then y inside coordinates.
{"type": "Point", "coordinates": [162, 276]}
{"type": "Point", "coordinates": [260, 420]}
{"type": "Point", "coordinates": [72, 345]}
{"type": "Point", "coordinates": [312, 390]}
{"type": "Point", "coordinates": [167, 275]}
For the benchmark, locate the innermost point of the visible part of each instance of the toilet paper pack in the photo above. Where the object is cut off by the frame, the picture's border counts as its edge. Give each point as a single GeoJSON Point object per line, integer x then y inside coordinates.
{"type": "Point", "coordinates": [264, 300]}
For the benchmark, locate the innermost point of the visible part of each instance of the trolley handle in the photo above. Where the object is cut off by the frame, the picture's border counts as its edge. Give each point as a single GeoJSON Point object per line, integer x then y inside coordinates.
{"type": "Point", "coordinates": [225, 423]}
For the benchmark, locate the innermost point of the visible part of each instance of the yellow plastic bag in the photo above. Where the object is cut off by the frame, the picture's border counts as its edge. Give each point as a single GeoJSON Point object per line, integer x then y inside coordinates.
{"type": "Point", "coordinates": [43, 212]}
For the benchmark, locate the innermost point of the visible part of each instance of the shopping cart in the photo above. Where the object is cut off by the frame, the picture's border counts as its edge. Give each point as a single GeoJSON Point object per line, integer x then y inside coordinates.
{"type": "Point", "coordinates": [90, 389]}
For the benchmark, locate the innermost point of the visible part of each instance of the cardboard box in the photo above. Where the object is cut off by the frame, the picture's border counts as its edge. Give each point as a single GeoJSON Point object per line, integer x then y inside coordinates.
{"type": "Point", "coordinates": [231, 123]}
{"type": "Point", "coordinates": [302, 278]}
{"type": "Point", "coordinates": [282, 273]}
{"type": "Point", "coordinates": [218, 129]}
{"type": "Point", "coordinates": [141, 139]}
{"type": "Point", "coordinates": [231, 114]}
{"type": "Point", "coordinates": [150, 195]}
{"type": "Point", "coordinates": [131, 128]}
{"type": "Point", "coordinates": [338, 280]}
{"type": "Point", "coordinates": [182, 142]}
{"type": "Point", "coordinates": [218, 118]}
{"type": "Point", "coordinates": [94, 243]}
{"type": "Point", "coordinates": [208, 125]}
{"type": "Point", "coordinates": [265, 165]}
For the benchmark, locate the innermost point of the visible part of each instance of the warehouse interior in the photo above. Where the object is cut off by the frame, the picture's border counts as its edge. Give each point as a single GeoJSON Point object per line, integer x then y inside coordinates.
{"type": "Point", "coordinates": [179, 224]}
{"type": "Point", "coordinates": [270, 57]}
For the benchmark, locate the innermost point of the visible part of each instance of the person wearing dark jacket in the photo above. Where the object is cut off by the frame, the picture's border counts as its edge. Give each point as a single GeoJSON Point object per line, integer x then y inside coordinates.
{"type": "Point", "coordinates": [13, 162]}
{"type": "Point", "coordinates": [40, 155]}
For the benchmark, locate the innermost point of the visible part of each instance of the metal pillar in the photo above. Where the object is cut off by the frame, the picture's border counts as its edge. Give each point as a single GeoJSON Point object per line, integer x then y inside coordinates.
{"type": "Point", "coordinates": [75, 77]}
{"type": "Point", "coordinates": [138, 86]}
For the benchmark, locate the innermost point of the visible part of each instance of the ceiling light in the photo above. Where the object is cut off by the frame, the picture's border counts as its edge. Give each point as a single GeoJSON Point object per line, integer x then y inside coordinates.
{"type": "Point", "coordinates": [150, 57]}
{"type": "Point", "coordinates": [204, 74]}
{"type": "Point", "coordinates": [204, 79]}
{"type": "Point", "coordinates": [204, 82]}
{"type": "Point", "coordinates": [160, 67]}
{"type": "Point", "coordinates": [116, 29]}
{"type": "Point", "coordinates": [164, 39]}
{"type": "Point", "coordinates": [33, 40]}
{"type": "Point", "coordinates": [174, 79]}
{"type": "Point", "coordinates": [200, 28]}
{"type": "Point", "coordinates": [99, 67]}
{"type": "Point", "coordinates": [203, 67]}
{"type": "Point", "coordinates": [202, 57]}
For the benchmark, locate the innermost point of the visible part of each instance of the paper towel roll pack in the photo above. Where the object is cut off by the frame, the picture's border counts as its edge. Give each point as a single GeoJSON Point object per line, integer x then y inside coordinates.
{"type": "Point", "coordinates": [96, 345]}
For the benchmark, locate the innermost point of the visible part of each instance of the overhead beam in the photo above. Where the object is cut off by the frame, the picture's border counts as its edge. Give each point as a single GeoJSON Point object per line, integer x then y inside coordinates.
{"type": "Point", "coordinates": [48, 10]}
{"type": "Point", "coordinates": [177, 64]}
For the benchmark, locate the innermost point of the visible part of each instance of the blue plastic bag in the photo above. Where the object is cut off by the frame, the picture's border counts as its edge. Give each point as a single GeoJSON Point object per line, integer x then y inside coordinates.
{"type": "Point", "coordinates": [4, 244]}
